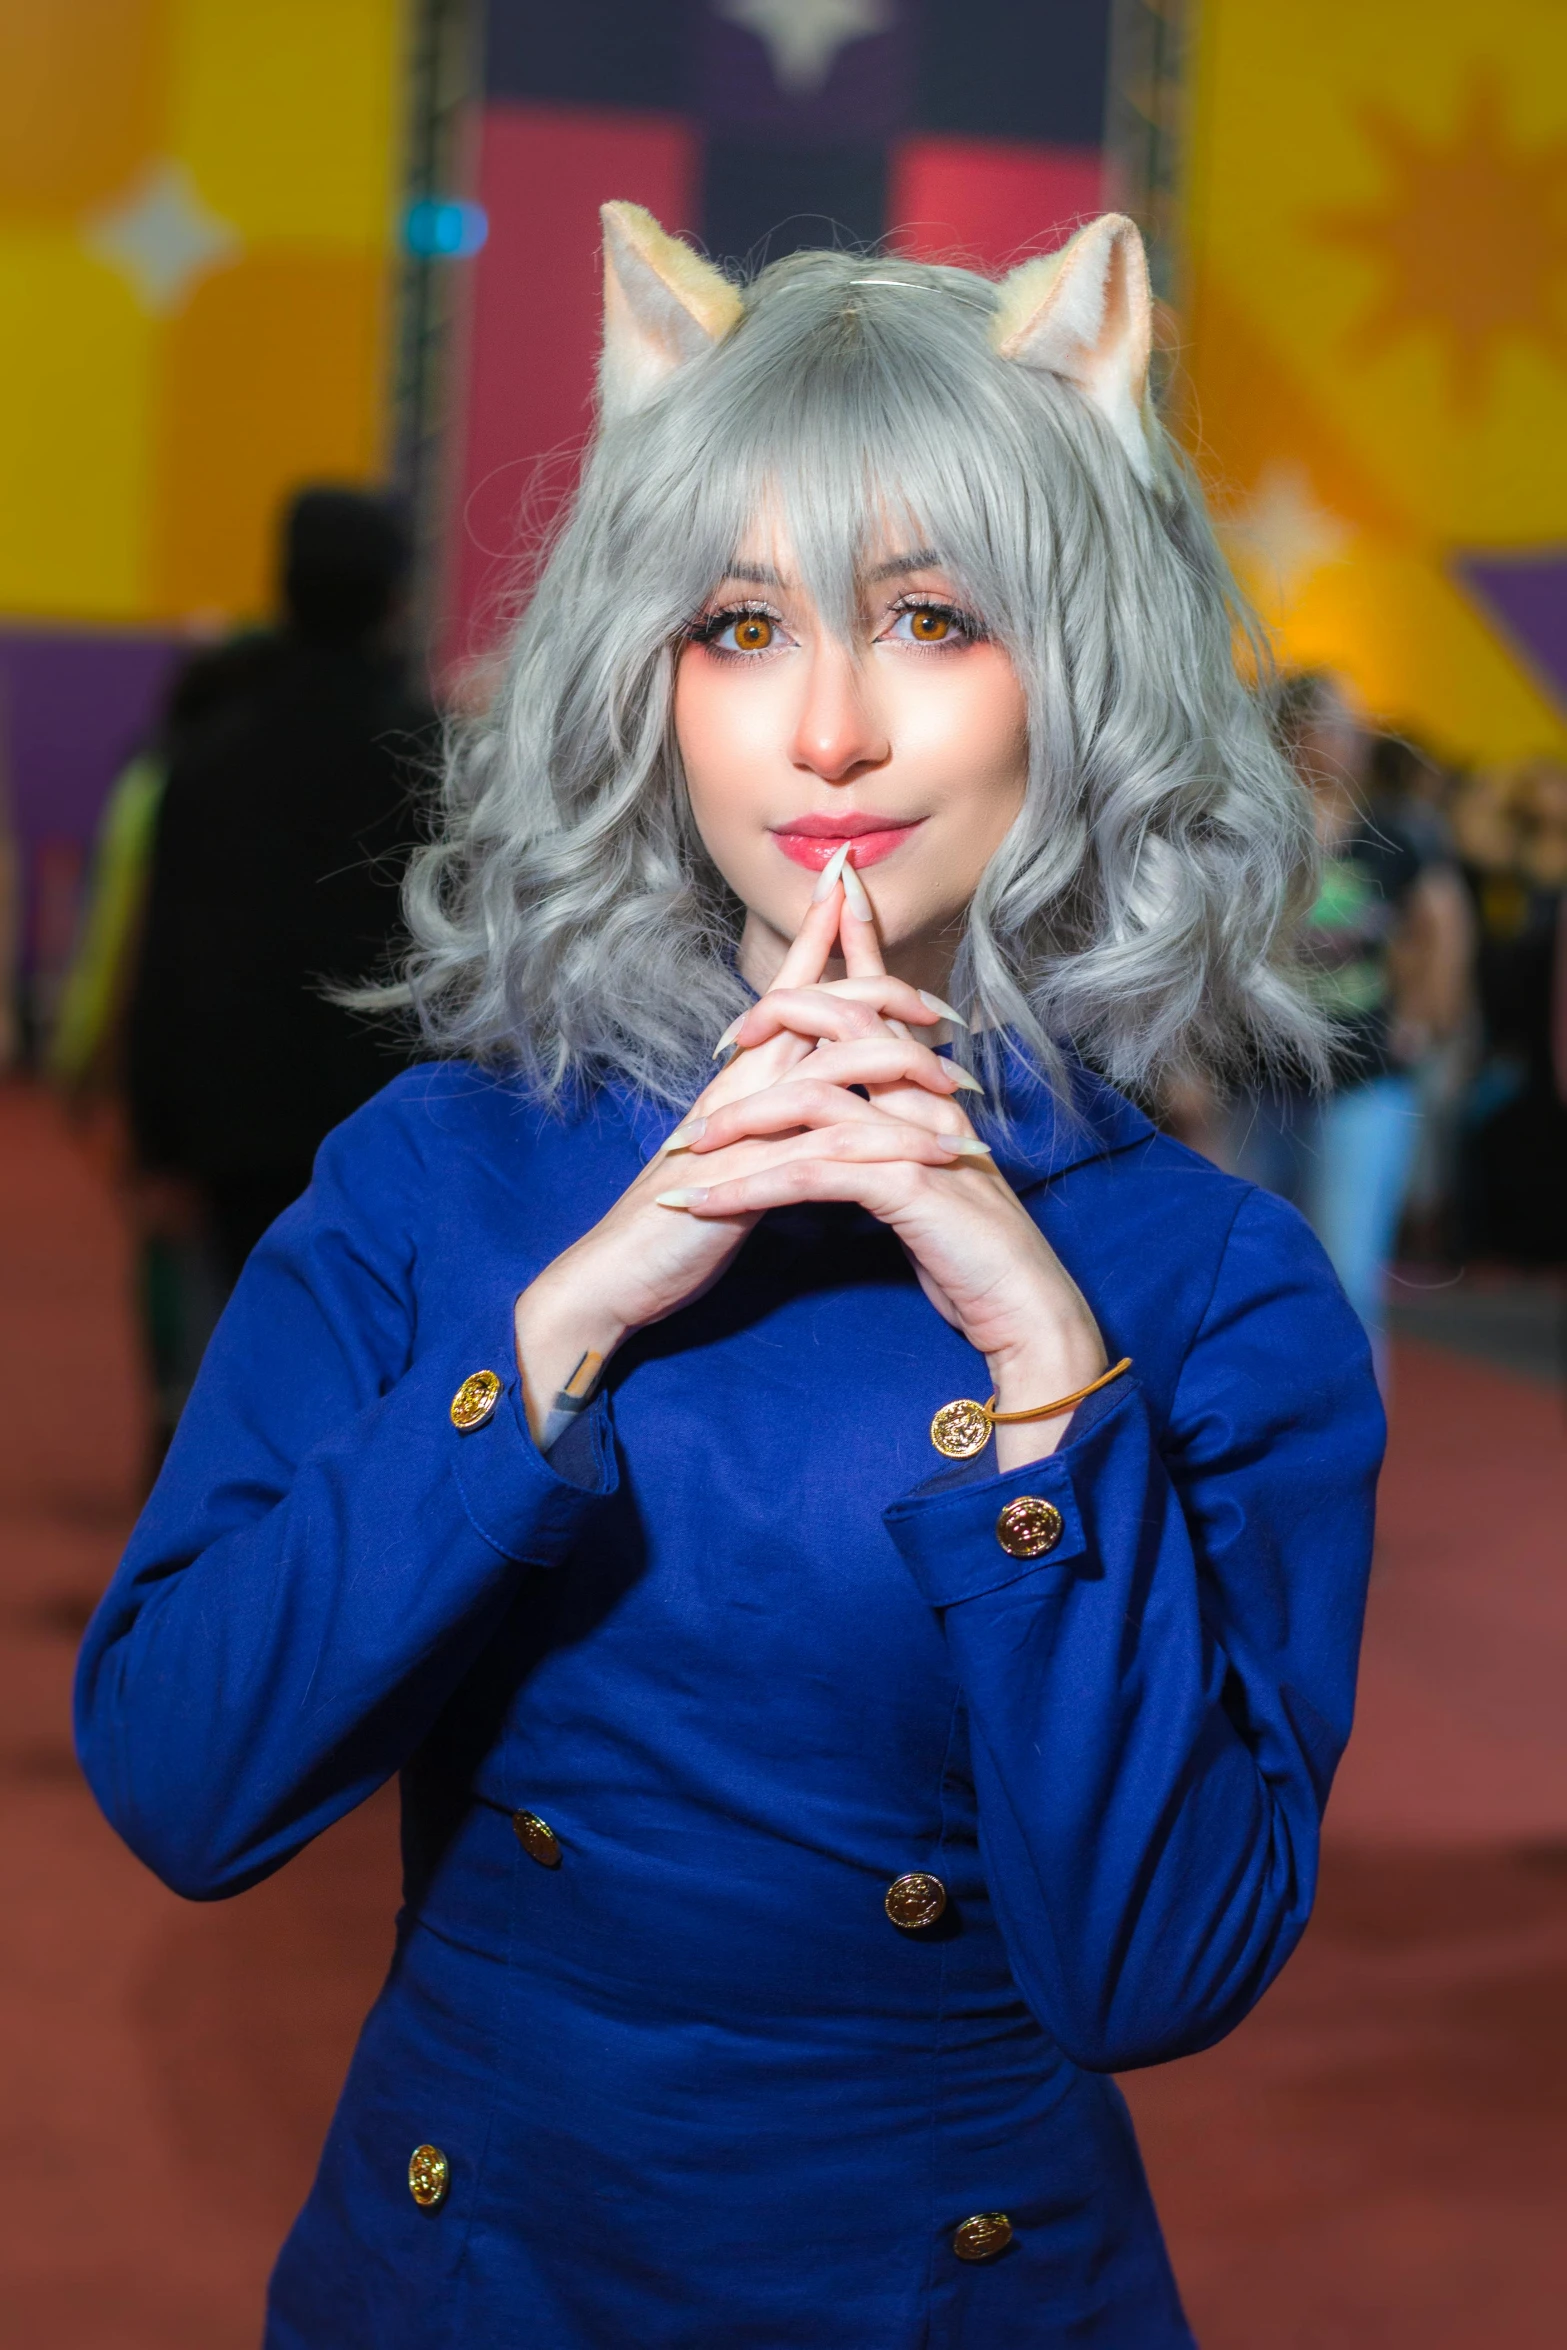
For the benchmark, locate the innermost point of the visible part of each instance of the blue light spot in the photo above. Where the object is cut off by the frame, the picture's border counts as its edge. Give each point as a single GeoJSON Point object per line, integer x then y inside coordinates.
{"type": "Point", "coordinates": [443, 228]}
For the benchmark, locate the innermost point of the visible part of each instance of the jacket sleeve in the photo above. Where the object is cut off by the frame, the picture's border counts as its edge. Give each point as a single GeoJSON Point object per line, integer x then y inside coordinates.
{"type": "Point", "coordinates": [1158, 1704]}
{"type": "Point", "coordinates": [324, 1554]}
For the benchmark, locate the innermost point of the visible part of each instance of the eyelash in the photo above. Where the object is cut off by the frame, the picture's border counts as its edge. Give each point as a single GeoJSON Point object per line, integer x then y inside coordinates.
{"type": "Point", "coordinates": [965, 624]}
{"type": "Point", "coordinates": [711, 626]}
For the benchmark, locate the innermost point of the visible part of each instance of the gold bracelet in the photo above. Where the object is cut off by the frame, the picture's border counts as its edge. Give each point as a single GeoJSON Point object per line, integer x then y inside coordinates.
{"type": "Point", "coordinates": [962, 1429]}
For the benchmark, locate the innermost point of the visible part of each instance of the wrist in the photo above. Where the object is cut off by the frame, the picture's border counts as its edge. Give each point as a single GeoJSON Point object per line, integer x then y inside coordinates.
{"type": "Point", "coordinates": [554, 1329]}
{"type": "Point", "coordinates": [1043, 1366]}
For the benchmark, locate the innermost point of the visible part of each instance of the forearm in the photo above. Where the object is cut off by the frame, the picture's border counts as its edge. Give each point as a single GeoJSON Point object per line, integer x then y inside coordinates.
{"type": "Point", "coordinates": [564, 1335]}
{"type": "Point", "coordinates": [258, 1667]}
{"type": "Point", "coordinates": [1065, 1355]}
{"type": "Point", "coordinates": [1155, 1718]}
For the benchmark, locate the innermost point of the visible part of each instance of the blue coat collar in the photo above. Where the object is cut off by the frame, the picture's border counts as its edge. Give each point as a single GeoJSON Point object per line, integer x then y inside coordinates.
{"type": "Point", "coordinates": [1046, 1133]}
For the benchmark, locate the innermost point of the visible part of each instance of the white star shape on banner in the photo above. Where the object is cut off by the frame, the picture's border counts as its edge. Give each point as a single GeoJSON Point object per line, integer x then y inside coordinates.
{"type": "Point", "coordinates": [162, 237]}
{"type": "Point", "coordinates": [803, 37]}
{"type": "Point", "coordinates": [1283, 534]}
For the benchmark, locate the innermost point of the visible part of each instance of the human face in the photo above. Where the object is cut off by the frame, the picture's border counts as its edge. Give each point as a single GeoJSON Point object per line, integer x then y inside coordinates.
{"type": "Point", "coordinates": [909, 741]}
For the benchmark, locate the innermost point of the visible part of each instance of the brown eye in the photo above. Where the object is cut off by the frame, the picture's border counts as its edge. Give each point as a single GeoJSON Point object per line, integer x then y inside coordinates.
{"type": "Point", "coordinates": [754, 633]}
{"type": "Point", "coordinates": [928, 626]}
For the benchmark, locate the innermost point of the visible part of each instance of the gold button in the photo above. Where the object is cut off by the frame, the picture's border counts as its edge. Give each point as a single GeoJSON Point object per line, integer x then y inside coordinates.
{"type": "Point", "coordinates": [961, 1429]}
{"type": "Point", "coordinates": [475, 1400]}
{"type": "Point", "coordinates": [915, 1900]}
{"type": "Point", "coordinates": [1028, 1527]}
{"type": "Point", "coordinates": [983, 2236]}
{"type": "Point", "coordinates": [429, 2176]}
{"type": "Point", "coordinates": [537, 1838]}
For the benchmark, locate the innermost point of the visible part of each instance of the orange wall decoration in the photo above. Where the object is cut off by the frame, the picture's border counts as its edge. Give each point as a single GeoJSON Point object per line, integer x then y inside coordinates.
{"type": "Point", "coordinates": [1375, 344]}
{"type": "Point", "coordinates": [196, 224]}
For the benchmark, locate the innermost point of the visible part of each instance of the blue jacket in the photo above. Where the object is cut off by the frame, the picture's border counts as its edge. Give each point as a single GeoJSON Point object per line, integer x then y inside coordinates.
{"type": "Point", "coordinates": [751, 1652]}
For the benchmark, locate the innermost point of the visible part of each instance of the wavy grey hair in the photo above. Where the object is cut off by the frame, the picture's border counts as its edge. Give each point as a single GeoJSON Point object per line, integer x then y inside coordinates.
{"type": "Point", "coordinates": [567, 919]}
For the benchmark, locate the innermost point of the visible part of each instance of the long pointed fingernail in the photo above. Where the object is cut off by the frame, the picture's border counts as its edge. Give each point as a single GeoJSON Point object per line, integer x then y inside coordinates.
{"type": "Point", "coordinates": [827, 879]}
{"type": "Point", "coordinates": [729, 1035]}
{"type": "Point", "coordinates": [683, 1136]}
{"type": "Point", "coordinates": [942, 1011]}
{"type": "Point", "coordinates": [898, 1029]}
{"type": "Point", "coordinates": [854, 896]}
{"type": "Point", "coordinates": [690, 1196]}
{"type": "Point", "coordinates": [962, 1082]}
{"type": "Point", "coordinates": [968, 1146]}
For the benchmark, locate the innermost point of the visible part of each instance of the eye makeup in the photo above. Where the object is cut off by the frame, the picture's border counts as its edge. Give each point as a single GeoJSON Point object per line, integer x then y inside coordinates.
{"type": "Point", "coordinates": [936, 624]}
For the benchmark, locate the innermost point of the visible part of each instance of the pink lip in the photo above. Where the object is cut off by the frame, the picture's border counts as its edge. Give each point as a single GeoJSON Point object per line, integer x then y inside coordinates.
{"type": "Point", "coordinates": [812, 841]}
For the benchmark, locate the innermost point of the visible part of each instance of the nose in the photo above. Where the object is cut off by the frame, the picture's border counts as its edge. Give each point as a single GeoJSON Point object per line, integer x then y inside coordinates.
{"type": "Point", "coordinates": [840, 731]}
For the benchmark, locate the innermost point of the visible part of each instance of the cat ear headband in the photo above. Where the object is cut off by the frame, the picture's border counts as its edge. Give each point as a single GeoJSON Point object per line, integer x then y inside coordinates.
{"type": "Point", "coordinates": [1084, 315]}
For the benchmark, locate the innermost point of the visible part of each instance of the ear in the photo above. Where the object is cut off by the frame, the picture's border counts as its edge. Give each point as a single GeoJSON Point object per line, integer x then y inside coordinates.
{"type": "Point", "coordinates": [1085, 314]}
{"type": "Point", "coordinates": [662, 305]}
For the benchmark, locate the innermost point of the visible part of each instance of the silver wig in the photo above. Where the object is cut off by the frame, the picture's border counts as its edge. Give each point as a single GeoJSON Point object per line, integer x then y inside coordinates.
{"type": "Point", "coordinates": [567, 919]}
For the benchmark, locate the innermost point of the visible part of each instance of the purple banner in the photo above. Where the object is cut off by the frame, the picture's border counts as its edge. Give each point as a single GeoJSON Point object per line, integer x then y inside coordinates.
{"type": "Point", "coordinates": [74, 707]}
{"type": "Point", "coordinates": [1527, 596]}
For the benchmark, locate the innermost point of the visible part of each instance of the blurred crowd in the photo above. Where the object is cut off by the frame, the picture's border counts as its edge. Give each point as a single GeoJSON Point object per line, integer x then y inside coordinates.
{"type": "Point", "coordinates": [248, 865]}
{"type": "Point", "coordinates": [1437, 944]}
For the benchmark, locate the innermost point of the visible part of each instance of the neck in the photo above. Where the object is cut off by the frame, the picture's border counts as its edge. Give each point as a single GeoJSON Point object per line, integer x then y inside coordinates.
{"type": "Point", "coordinates": [923, 962]}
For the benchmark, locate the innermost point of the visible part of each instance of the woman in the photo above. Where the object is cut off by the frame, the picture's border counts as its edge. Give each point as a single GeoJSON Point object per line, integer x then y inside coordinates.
{"type": "Point", "coordinates": [805, 1809]}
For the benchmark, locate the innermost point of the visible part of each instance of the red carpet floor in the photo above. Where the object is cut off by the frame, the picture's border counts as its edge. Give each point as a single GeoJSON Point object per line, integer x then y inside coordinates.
{"type": "Point", "coordinates": [1377, 2160]}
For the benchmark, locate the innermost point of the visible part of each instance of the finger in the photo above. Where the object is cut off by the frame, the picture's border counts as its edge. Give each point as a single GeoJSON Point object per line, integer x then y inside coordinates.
{"type": "Point", "coordinates": [808, 955]}
{"type": "Point", "coordinates": [786, 1109]}
{"type": "Point", "coordinates": [892, 1060]}
{"type": "Point", "coordinates": [833, 1013]}
{"type": "Point", "coordinates": [813, 945]}
{"type": "Point", "coordinates": [857, 928]}
{"type": "Point", "coordinates": [866, 1143]}
{"type": "Point", "coordinates": [886, 1187]}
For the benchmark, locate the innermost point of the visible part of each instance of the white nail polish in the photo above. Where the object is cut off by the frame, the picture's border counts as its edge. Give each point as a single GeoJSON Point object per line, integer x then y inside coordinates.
{"type": "Point", "coordinates": [689, 1196]}
{"type": "Point", "coordinates": [858, 903]}
{"type": "Point", "coordinates": [728, 1037]}
{"type": "Point", "coordinates": [827, 879]}
{"type": "Point", "coordinates": [969, 1146]}
{"type": "Point", "coordinates": [898, 1029]}
{"type": "Point", "coordinates": [942, 1011]}
{"type": "Point", "coordinates": [964, 1083]}
{"type": "Point", "coordinates": [683, 1136]}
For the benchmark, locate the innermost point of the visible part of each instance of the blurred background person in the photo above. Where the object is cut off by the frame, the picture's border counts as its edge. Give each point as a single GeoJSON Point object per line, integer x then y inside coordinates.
{"type": "Point", "coordinates": [1511, 832]}
{"type": "Point", "coordinates": [177, 1290]}
{"type": "Point", "coordinates": [1388, 943]}
{"type": "Point", "coordinates": [1408, 784]}
{"type": "Point", "coordinates": [276, 863]}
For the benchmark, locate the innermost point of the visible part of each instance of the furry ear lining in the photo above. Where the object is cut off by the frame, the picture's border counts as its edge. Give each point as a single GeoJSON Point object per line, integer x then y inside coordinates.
{"type": "Point", "coordinates": [662, 305]}
{"type": "Point", "coordinates": [1086, 315]}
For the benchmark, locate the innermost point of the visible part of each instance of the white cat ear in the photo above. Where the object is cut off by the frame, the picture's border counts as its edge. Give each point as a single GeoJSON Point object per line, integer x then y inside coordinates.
{"type": "Point", "coordinates": [662, 305]}
{"type": "Point", "coordinates": [1086, 315]}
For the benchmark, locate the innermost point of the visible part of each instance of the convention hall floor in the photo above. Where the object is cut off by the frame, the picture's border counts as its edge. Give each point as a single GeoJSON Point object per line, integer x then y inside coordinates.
{"type": "Point", "coordinates": [1376, 2161]}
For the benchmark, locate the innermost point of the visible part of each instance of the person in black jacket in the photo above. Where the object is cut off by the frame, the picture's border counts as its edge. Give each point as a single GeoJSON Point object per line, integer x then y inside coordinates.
{"type": "Point", "coordinates": [280, 847]}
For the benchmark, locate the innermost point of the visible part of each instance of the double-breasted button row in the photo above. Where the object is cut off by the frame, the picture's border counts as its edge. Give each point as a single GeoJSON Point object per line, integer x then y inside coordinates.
{"type": "Point", "coordinates": [915, 1900]}
{"type": "Point", "coordinates": [475, 1400]}
{"type": "Point", "coordinates": [537, 1838]}
{"type": "Point", "coordinates": [1028, 1527]}
{"type": "Point", "coordinates": [429, 2177]}
{"type": "Point", "coordinates": [982, 2236]}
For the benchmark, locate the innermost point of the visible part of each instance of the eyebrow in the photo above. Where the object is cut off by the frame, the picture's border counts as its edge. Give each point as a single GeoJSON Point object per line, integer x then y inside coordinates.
{"type": "Point", "coordinates": [917, 559]}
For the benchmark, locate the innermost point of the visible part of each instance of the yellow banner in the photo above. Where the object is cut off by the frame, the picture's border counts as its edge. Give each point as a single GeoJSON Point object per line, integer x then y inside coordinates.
{"type": "Point", "coordinates": [1375, 333]}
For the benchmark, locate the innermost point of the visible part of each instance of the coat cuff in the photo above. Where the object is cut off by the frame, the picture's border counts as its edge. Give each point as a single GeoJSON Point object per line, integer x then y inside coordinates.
{"type": "Point", "coordinates": [526, 1507]}
{"type": "Point", "coordinates": [950, 1530]}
